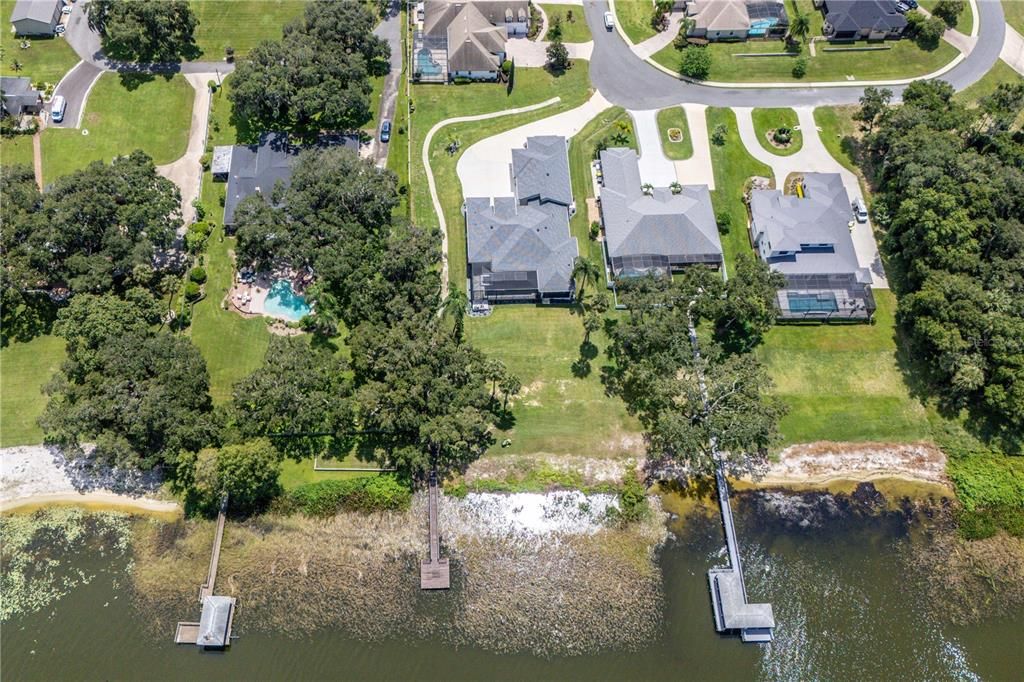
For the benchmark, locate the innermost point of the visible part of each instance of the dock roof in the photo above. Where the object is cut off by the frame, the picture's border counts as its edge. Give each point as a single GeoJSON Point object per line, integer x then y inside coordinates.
{"type": "Point", "coordinates": [215, 622]}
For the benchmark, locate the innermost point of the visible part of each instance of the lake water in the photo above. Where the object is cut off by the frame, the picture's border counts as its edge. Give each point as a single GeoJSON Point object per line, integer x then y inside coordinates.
{"type": "Point", "coordinates": [845, 611]}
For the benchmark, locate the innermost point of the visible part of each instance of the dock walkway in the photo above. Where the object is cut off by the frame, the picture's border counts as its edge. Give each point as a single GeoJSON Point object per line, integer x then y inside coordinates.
{"type": "Point", "coordinates": [755, 622]}
{"type": "Point", "coordinates": [434, 574]}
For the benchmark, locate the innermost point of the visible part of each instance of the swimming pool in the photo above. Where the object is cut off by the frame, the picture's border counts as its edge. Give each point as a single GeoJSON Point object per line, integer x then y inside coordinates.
{"type": "Point", "coordinates": [284, 303]}
{"type": "Point", "coordinates": [425, 63]}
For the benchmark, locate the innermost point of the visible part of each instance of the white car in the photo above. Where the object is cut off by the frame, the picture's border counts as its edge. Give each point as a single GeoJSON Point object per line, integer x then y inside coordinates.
{"type": "Point", "coordinates": [609, 20]}
{"type": "Point", "coordinates": [860, 211]}
{"type": "Point", "coordinates": [66, 9]}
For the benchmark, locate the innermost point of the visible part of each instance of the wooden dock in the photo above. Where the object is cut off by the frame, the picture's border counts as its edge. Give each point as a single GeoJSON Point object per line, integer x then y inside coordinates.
{"type": "Point", "coordinates": [732, 612]}
{"type": "Point", "coordinates": [434, 574]}
{"type": "Point", "coordinates": [218, 613]}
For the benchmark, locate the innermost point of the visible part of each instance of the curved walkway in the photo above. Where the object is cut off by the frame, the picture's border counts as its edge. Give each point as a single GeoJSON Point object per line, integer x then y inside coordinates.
{"type": "Point", "coordinates": [186, 172]}
{"type": "Point", "coordinates": [425, 158]}
{"type": "Point", "coordinates": [629, 81]}
{"type": "Point", "coordinates": [813, 157]}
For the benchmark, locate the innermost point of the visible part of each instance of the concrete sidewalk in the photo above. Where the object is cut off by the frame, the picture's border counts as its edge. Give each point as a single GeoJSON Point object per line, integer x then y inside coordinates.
{"type": "Point", "coordinates": [1013, 50]}
{"type": "Point", "coordinates": [484, 168]}
{"type": "Point", "coordinates": [813, 157]}
{"type": "Point", "coordinates": [659, 41]}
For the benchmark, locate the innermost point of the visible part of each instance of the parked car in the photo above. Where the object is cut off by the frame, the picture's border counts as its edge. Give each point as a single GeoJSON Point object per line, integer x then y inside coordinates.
{"type": "Point", "coordinates": [66, 9]}
{"type": "Point", "coordinates": [902, 7]}
{"type": "Point", "coordinates": [59, 28]}
{"type": "Point", "coordinates": [385, 131]}
{"type": "Point", "coordinates": [860, 210]}
{"type": "Point", "coordinates": [911, 3]}
{"type": "Point", "coordinates": [609, 20]}
{"type": "Point", "coordinates": [58, 108]}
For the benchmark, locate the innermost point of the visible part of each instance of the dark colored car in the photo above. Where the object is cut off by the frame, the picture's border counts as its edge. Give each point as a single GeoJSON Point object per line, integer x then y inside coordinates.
{"type": "Point", "coordinates": [385, 131]}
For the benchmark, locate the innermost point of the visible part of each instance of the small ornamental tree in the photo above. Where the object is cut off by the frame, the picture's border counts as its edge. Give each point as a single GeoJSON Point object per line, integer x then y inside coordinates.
{"type": "Point", "coordinates": [696, 62]}
{"type": "Point", "coordinates": [800, 67]}
{"type": "Point", "coordinates": [558, 57]}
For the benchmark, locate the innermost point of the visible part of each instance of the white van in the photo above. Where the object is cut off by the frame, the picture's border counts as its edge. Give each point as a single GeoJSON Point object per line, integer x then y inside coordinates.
{"type": "Point", "coordinates": [860, 210]}
{"type": "Point", "coordinates": [57, 109]}
{"type": "Point", "coordinates": [609, 20]}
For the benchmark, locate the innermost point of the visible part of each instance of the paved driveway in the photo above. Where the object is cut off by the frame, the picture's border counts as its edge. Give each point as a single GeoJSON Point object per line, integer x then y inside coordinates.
{"type": "Point", "coordinates": [697, 169]}
{"type": "Point", "coordinates": [391, 31]}
{"type": "Point", "coordinates": [484, 168]}
{"type": "Point", "coordinates": [1013, 50]}
{"type": "Point", "coordinates": [625, 79]}
{"type": "Point", "coordinates": [75, 87]}
{"type": "Point", "coordinates": [814, 157]}
{"type": "Point", "coordinates": [655, 167]}
{"type": "Point", "coordinates": [533, 53]}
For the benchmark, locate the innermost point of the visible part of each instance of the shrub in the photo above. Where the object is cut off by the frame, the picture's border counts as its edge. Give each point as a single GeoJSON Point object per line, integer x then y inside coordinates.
{"type": "Point", "coordinates": [205, 160]}
{"type": "Point", "coordinates": [800, 67]}
{"type": "Point", "coordinates": [782, 135]}
{"type": "Point", "coordinates": [696, 62]}
{"type": "Point", "coordinates": [366, 494]}
{"type": "Point", "coordinates": [724, 221]}
{"type": "Point", "coordinates": [462, 80]}
{"type": "Point", "coordinates": [229, 54]}
{"type": "Point", "coordinates": [506, 66]}
{"type": "Point", "coordinates": [595, 229]}
{"type": "Point", "coordinates": [632, 502]}
{"type": "Point", "coordinates": [719, 135]}
{"type": "Point", "coordinates": [192, 291]}
{"type": "Point", "coordinates": [200, 209]}
{"type": "Point", "coordinates": [197, 275]}
{"type": "Point", "coordinates": [212, 84]}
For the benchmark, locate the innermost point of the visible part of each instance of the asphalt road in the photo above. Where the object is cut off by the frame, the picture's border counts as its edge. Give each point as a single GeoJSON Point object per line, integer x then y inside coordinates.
{"type": "Point", "coordinates": [626, 80]}
{"type": "Point", "coordinates": [390, 30]}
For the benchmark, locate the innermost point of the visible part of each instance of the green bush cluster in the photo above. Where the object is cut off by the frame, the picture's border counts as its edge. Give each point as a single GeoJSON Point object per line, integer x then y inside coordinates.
{"type": "Point", "coordinates": [197, 235]}
{"type": "Point", "coordinates": [366, 494]}
{"type": "Point", "coordinates": [632, 501]}
{"type": "Point", "coordinates": [197, 275]}
{"type": "Point", "coordinates": [192, 291]}
{"type": "Point", "coordinates": [987, 480]}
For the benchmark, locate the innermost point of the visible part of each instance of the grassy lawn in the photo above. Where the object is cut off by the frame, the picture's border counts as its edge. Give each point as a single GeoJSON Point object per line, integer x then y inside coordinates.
{"type": "Point", "coordinates": [843, 382]}
{"type": "Point", "coordinates": [581, 153]}
{"type": "Point", "coordinates": [1000, 73]}
{"type": "Point", "coordinates": [556, 412]}
{"type": "Point", "coordinates": [294, 474]}
{"type": "Point", "coordinates": [17, 149]}
{"type": "Point", "coordinates": [733, 165]}
{"type": "Point", "coordinates": [675, 117]}
{"type": "Point", "coordinates": [771, 119]}
{"type": "Point", "coordinates": [1013, 10]}
{"type": "Point", "coordinates": [575, 31]}
{"type": "Point", "coordinates": [840, 133]}
{"type": "Point", "coordinates": [240, 23]}
{"type": "Point", "coordinates": [154, 117]}
{"type": "Point", "coordinates": [47, 60]}
{"type": "Point", "coordinates": [965, 20]}
{"type": "Point", "coordinates": [434, 103]}
{"type": "Point", "coordinates": [634, 16]}
{"type": "Point", "coordinates": [24, 369]}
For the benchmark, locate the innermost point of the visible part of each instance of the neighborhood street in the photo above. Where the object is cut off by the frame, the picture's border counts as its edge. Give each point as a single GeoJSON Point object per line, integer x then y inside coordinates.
{"type": "Point", "coordinates": [390, 29]}
{"type": "Point", "coordinates": [626, 80]}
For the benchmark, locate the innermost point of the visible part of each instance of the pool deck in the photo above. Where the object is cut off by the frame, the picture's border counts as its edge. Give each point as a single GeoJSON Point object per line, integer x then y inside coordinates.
{"type": "Point", "coordinates": [251, 298]}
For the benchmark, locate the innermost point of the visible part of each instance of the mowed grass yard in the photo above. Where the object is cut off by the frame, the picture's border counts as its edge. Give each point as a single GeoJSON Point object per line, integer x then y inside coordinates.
{"type": "Point", "coordinates": [733, 166]}
{"type": "Point", "coordinates": [964, 20]}
{"type": "Point", "coordinates": [24, 369]}
{"type": "Point", "coordinates": [575, 31]}
{"type": "Point", "coordinates": [17, 149]}
{"type": "Point", "coordinates": [434, 103]}
{"type": "Point", "coordinates": [766, 120]}
{"type": "Point", "coordinates": [45, 61]}
{"type": "Point", "coordinates": [675, 117]}
{"type": "Point", "coordinates": [240, 23]}
{"type": "Point", "coordinates": [843, 382]}
{"type": "Point", "coordinates": [556, 412]}
{"type": "Point", "coordinates": [634, 16]}
{"type": "Point", "coordinates": [1013, 10]}
{"type": "Point", "coordinates": [153, 115]}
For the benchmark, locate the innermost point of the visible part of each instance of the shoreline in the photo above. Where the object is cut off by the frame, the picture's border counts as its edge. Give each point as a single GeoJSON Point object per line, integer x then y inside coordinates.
{"type": "Point", "coordinates": [93, 500]}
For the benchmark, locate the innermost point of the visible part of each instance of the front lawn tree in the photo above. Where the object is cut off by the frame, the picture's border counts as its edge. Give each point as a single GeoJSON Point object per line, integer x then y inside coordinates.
{"type": "Point", "coordinates": [800, 26]}
{"type": "Point", "coordinates": [696, 62]}
{"type": "Point", "coordinates": [585, 271]}
{"type": "Point", "coordinates": [949, 10]}
{"type": "Point", "coordinates": [873, 102]}
{"type": "Point", "coordinates": [145, 30]}
{"type": "Point", "coordinates": [558, 57]}
{"type": "Point", "coordinates": [317, 77]}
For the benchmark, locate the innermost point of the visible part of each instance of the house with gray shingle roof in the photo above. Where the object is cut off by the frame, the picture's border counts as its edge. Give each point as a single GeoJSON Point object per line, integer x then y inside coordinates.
{"type": "Point", "coordinates": [862, 19]}
{"type": "Point", "coordinates": [518, 248]}
{"type": "Point", "coordinates": [36, 17]}
{"type": "Point", "coordinates": [808, 240]}
{"type": "Point", "coordinates": [19, 97]}
{"type": "Point", "coordinates": [654, 231]}
{"type": "Point", "coordinates": [467, 39]}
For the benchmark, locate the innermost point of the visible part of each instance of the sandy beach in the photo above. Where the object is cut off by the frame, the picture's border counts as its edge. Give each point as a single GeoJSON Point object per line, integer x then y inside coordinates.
{"type": "Point", "coordinates": [36, 475]}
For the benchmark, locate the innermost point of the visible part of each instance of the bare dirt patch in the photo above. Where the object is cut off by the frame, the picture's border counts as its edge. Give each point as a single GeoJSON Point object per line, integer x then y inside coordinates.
{"type": "Point", "coordinates": [825, 460]}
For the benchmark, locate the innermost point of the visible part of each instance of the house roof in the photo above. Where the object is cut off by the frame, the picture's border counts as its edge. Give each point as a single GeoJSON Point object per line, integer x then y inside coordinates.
{"type": "Point", "coordinates": [822, 217]}
{"type": "Point", "coordinates": [721, 15]}
{"type": "Point", "coordinates": [259, 167]}
{"type": "Point", "coordinates": [661, 223]}
{"type": "Point", "coordinates": [473, 42]}
{"type": "Point", "coordinates": [857, 15]}
{"type": "Point", "coordinates": [40, 10]}
{"type": "Point", "coordinates": [213, 623]}
{"type": "Point", "coordinates": [528, 232]}
{"type": "Point", "coordinates": [18, 94]}
{"type": "Point", "coordinates": [541, 170]}
{"type": "Point", "coordinates": [438, 14]}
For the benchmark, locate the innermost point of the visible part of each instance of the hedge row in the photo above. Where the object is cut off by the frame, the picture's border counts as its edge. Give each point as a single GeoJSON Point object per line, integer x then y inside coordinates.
{"type": "Point", "coordinates": [366, 494]}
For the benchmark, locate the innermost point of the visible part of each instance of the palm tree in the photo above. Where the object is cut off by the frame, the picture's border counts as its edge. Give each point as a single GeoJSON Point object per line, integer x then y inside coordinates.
{"type": "Point", "coordinates": [584, 271]}
{"type": "Point", "coordinates": [455, 307]}
{"type": "Point", "coordinates": [801, 26]}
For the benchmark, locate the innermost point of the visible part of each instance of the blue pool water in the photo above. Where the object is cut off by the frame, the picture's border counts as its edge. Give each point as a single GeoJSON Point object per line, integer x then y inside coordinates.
{"type": "Point", "coordinates": [283, 302]}
{"type": "Point", "coordinates": [812, 303]}
{"type": "Point", "coordinates": [426, 65]}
